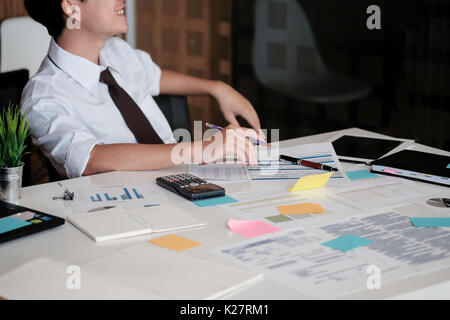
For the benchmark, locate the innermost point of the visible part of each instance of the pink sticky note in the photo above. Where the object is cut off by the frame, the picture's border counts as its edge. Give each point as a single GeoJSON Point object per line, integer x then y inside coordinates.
{"type": "Point", "coordinates": [251, 228]}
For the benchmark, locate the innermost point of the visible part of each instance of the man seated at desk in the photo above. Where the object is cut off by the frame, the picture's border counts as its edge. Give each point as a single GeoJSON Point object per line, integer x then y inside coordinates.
{"type": "Point", "coordinates": [91, 103]}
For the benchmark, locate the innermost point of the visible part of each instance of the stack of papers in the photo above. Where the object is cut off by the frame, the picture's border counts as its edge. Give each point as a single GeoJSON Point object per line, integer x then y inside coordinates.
{"type": "Point", "coordinates": [270, 168]}
{"type": "Point", "coordinates": [332, 259]}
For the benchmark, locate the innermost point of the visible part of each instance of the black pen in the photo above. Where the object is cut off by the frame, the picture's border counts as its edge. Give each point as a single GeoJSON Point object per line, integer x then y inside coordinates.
{"type": "Point", "coordinates": [307, 163]}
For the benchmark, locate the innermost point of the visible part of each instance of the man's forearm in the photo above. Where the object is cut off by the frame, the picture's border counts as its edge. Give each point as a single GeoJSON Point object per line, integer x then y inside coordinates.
{"type": "Point", "coordinates": [175, 83]}
{"type": "Point", "coordinates": [138, 157]}
{"type": "Point", "coordinates": [128, 157]}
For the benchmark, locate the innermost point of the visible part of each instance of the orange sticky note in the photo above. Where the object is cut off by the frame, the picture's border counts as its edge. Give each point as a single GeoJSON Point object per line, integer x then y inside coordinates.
{"type": "Point", "coordinates": [175, 243]}
{"type": "Point", "coordinates": [301, 208]}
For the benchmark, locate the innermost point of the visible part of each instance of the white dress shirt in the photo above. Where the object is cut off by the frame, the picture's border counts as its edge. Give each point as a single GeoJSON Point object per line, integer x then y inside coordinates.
{"type": "Point", "coordinates": [71, 111]}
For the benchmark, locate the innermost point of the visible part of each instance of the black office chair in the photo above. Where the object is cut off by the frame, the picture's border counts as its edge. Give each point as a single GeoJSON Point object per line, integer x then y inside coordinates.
{"type": "Point", "coordinates": [11, 87]}
{"type": "Point", "coordinates": [175, 109]}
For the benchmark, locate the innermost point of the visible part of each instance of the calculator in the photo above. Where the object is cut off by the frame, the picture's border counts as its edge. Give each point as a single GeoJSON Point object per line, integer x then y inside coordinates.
{"type": "Point", "coordinates": [190, 187]}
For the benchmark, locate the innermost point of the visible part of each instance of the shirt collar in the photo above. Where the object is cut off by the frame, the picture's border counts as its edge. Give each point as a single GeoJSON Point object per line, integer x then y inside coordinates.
{"type": "Point", "coordinates": [85, 72]}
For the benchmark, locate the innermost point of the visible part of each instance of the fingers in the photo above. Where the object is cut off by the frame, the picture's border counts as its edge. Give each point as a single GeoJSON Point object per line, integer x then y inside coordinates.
{"type": "Point", "coordinates": [253, 119]}
{"type": "Point", "coordinates": [231, 118]}
{"type": "Point", "coordinates": [244, 145]}
{"type": "Point", "coordinates": [237, 143]}
{"type": "Point", "coordinates": [243, 131]}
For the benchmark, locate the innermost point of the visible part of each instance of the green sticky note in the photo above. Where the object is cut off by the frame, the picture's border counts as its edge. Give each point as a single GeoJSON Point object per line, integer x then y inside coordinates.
{"type": "Point", "coordinates": [361, 174]}
{"type": "Point", "coordinates": [279, 219]}
{"type": "Point", "coordinates": [212, 202]}
{"type": "Point", "coordinates": [431, 222]}
{"type": "Point", "coordinates": [10, 224]}
{"type": "Point", "coordinates": [347, 242]}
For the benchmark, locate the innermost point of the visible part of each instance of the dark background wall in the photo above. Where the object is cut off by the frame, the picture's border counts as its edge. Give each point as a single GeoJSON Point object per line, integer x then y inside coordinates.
{"type": "Point", "coordinates": [407, 63]}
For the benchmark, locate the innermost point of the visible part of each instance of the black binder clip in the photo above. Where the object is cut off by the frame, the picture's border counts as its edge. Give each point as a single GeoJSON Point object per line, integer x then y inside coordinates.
{"type": "Point", "coordinates": [68, 196]}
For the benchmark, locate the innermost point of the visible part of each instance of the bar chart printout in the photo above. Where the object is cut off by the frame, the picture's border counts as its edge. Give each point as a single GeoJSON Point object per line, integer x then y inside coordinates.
{"type": "Point", "coordinates": [125, 195]}
{"type": "Point", "coordinates": [101, 197]}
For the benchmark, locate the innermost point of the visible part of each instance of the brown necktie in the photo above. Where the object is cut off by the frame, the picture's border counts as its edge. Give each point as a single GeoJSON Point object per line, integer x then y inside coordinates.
{"type": "Point", "coordinates": [131, 113]}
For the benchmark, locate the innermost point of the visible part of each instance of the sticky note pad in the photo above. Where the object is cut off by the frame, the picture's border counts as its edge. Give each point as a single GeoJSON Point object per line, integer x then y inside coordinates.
{"type": "Point", "coordinates": [347, 243]}
{"type": "Point", "coordinates": [431, 222]}
{"type": "Point", "coordinates": [10, 224]}
{"type": "Point", "coordinates": [361, 174]}
{"type": "Point", "coordinates": [312, 182]}
{"type": "Point", "coordinates": [175, 243]}
{"type": "Point", "coordinates": [215, 202]}
{"type": "Point", "coordinates": [279, 219]}
{"type": "Point", "coordinates": [251, 228]}
{"type": "Point", "coordinates": [301, 208]}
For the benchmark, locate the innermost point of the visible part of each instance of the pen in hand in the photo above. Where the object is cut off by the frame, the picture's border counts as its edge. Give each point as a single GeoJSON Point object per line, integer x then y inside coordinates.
{"type": "Point", "coordinates": [253, 140]}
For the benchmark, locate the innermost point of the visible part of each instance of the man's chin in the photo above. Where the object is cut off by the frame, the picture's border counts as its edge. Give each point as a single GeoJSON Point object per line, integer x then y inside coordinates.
{"type": "Point", "coordinates": [124, 30]}
{"type": "Point", "coordinates": [119, 32]}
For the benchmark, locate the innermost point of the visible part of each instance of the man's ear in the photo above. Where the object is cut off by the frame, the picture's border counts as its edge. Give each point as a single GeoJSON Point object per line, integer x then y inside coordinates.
{"type": "Point", "coordinates": [67, 7]}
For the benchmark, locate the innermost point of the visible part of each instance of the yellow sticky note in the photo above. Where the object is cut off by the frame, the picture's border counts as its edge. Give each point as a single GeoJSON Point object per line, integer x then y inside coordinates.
{"type": "Point", "coordinates": [301, 208]}
{"type": "Point", "coordinates": [312, 182]}
{"type": "Point", "coordinates": [175, 243]}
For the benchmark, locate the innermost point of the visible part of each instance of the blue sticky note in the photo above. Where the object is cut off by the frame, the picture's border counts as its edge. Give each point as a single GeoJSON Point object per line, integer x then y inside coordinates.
{"type": "Point", "coordinates": [347, 243]}
{"type": "Point", "coordinates": [361, 174]}
{"type": "Point", "coordinates": [215, 202]}
{"type": "Point", "coordinates": [9, 224]}
{"type": "Point", "coordinates": [448, 167]}
{"type": "Point", "coordinates": [431, 222]}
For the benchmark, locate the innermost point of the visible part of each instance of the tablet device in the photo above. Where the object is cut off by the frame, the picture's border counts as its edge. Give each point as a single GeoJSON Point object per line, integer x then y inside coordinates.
{"type": "Point", "coordinates": [364, 149]}
{"type": "Point", "coordinates": [416, 165]}
{"type": "Point", "coordinates": [17, 221]}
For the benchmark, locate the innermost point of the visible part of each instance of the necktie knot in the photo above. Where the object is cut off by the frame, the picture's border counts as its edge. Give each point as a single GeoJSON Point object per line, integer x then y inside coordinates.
{"type": "Point", "coordinates": [107, 78]}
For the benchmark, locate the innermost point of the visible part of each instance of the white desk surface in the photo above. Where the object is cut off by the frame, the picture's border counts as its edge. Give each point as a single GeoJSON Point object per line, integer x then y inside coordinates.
{"type": "Point", "coordinates": [70, 245]}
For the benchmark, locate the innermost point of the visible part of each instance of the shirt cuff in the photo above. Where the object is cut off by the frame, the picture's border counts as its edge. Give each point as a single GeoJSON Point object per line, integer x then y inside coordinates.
{"type": "Point", "coordinates": [78, 154]}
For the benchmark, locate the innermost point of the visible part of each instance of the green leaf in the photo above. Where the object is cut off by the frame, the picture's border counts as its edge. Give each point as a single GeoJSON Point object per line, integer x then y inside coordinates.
{"type": "Point", "coordinates": [14, 131]}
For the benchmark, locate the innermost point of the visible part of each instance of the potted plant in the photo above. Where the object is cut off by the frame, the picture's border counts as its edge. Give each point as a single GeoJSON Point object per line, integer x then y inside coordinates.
{"type": "Point", "coordinates": [14, 131]}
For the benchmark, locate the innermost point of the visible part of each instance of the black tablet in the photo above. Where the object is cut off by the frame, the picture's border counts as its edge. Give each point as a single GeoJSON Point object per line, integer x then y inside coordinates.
{"type": "Point", "coordinates": [17, 221]}
{"type": "Point", "coordinates": [364, 149]}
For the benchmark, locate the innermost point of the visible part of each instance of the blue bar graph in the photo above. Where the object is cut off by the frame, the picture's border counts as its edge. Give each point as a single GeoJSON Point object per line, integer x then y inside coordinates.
{"type": "Point", "coordinates": [108, 198]}
{"type": "Point", "coordinates": [99, 198]}
{"type": "Point", "coordinates": [139, 196]}
{"type": "Point", "coordinates": [113, 195]}
{"type": "Point", "coordinates": [127, 195]}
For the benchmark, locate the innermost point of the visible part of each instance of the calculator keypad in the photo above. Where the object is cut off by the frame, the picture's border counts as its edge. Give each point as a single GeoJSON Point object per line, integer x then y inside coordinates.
{"type": "Point", "coordinates": [184, 180]}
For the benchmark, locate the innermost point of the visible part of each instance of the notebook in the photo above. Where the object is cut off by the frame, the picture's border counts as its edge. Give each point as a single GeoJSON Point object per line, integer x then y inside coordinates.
{"type": "Point", "coordinates": [416, 165]}
{"type": "Point", "coordinates": [172, 275]}
{"type": "Point", "coordinates": [48, 279]}
{"type": "Point", "coordinates": [139, 272]}
{"type": "Point", "coordinates": [118, 223]}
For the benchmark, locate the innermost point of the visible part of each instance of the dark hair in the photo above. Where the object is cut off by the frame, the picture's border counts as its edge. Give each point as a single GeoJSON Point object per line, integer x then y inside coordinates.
{"type": "Point", "coordinates": [49, 13]}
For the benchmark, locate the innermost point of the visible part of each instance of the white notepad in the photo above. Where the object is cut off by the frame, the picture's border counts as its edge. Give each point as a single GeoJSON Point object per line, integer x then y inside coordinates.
{"type": "Point", "coordinates": [48, 279]}
{"type": "Point", "coordinates": [172, 275]}
{"type": "Point", "coordinates": [118, 223]}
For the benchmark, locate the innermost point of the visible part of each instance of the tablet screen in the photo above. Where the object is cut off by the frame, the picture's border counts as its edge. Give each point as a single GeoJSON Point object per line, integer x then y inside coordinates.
{"type": "Point", "coordinates": [364, 148]}
{"type": "Point", "coordinates": [17, 221]}
{"type": "Point", "coordinates": [21, 220]}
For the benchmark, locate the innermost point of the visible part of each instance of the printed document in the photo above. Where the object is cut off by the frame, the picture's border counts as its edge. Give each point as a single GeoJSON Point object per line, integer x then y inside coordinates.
{"type": "Point", "coordinates": [297, 258]}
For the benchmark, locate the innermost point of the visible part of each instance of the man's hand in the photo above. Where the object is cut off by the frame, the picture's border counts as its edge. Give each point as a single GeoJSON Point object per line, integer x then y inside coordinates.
{"type": "Point", "coordinates": [232, 140]}
{"type": "Point", "coordinates": [233, 104]}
